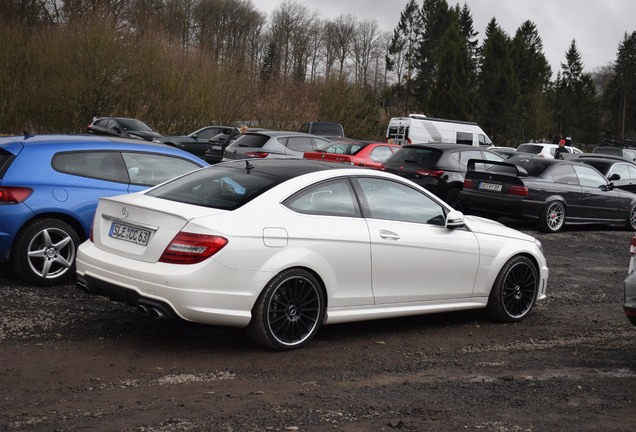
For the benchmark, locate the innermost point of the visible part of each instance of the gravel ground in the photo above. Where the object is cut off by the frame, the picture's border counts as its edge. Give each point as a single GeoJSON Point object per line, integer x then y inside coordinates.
{"type": "Point", "coordinates": [72, 362]}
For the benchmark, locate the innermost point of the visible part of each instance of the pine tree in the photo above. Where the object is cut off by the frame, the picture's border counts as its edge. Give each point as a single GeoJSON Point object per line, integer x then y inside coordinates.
{"type": "Point", "coordinates": [401, 54]}
{"type": "Point", "coordinates": [622, 90]}
{"type": "Point", "coordinates": [576, 107]}
{"type": "Point", "coordinates": [498, 86]}
{"type": "Point", "coordinates": [533, 72]}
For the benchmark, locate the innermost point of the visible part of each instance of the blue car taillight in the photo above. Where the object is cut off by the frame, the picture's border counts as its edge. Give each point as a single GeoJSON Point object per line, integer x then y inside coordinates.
{"type": "Point", "coordinates": [14, 194]}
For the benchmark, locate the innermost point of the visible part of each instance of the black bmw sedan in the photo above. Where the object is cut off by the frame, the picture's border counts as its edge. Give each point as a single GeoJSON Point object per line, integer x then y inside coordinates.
{"type": "Point", "coordinates": [554, 193]}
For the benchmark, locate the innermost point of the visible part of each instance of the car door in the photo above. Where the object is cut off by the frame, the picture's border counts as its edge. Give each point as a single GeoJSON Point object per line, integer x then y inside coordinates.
{"type": "Point", "coordinates": [414, 257]}
{"type": "Point", "coordinates": [597, 201]}
{"type": "Point", "coordinates": [330, 222]}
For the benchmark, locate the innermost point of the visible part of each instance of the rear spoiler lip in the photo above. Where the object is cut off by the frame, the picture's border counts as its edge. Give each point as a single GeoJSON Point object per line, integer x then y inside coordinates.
{"type": "Point", "coordinates": [516, 170]}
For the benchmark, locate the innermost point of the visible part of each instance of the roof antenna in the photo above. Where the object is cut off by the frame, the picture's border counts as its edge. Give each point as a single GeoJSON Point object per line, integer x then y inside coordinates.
{"type": "Point", "coordinates": [248, 166]}
{"type": "Point", "coordinates": [26, 133]}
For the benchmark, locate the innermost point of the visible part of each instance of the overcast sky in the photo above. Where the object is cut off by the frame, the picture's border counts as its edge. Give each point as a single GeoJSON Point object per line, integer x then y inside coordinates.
{"type": "Point", "coordinates": [598, 26]}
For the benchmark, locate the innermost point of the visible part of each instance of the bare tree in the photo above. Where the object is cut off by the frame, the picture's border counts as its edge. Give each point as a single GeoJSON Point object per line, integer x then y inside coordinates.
{"type": "Point", "coordinates": [290, 40]}
{"type": "Point", "coordinates": [364, 42]}
{"type": "Point", "coordinates": [343, 35]}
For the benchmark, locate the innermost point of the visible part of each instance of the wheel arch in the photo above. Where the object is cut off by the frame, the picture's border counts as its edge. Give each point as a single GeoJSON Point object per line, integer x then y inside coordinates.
{"type": "Point", "coordinates": [73, 222]}
{"type": "Point", "coordinates": [310, 270]}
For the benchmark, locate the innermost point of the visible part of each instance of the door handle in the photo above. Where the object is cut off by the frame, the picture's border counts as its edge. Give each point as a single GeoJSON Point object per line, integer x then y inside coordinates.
{"type": "Point", "coordinates": [389, 235]}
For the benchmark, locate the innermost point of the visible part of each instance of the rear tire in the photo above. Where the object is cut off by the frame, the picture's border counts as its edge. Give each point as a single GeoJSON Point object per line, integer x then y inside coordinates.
{"type": "Point", "coordinates": [515, 290]}
{"type": "Point", "coordinates": [552, 217]}
{"type": "Point", "coordinates": [44, 252]}
{"type": "Point", "coordinates": [289, 311]}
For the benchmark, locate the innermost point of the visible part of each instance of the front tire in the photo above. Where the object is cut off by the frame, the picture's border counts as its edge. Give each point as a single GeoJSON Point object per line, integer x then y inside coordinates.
{"type": "Point", "coordinates": [631, 219]}
{"type": "Point", "coordinates": [452, 198]}
{"type": "Point", "coordinates": [552, 217]}
{"type": "Point", "coordinates": [289, 311]}
{"type": "Point", "coordinates": [44, 252]}
{"type": "Point", "coordinates": [515, 290]}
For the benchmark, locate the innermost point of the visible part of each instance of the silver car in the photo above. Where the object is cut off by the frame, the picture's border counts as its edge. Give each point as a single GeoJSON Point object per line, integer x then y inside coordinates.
{"type": "Point", "coordinates": [273, 144]}
{"type": "Point", "coordinates": [630, 284]}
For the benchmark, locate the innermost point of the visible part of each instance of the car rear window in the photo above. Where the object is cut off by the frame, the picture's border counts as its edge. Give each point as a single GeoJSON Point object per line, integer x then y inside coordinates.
{"type": "Point", "coordinates": [534, 167]}
{"type": "Point", "coordinates": [530, 148]}
{"type": "Point", "coordinates": [422, 157]}
{"type": "Point", "coordinates": [218, 187]}
{"type": "Point", "coordinates": [251, 140]}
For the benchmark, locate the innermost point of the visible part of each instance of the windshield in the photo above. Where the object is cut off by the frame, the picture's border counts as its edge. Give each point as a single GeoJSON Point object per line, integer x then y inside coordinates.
{"type": "Point", "coordinates": [134, 125]}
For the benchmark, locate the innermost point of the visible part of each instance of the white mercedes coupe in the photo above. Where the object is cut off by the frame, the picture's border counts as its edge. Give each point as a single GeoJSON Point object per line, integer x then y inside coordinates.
{"type": "Point", "coordinates": [281, 247]}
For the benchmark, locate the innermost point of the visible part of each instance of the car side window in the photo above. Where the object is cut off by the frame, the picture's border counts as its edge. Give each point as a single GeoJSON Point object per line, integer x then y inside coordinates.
{"type": "Point", "coordinates": [564, 174]}
{"type": "Point", "coordinates": [621, 169]}
{"type": "Point", "coordinates": [464, 138]}
{"type": "Point", "coordinates": [151, 169]}
{"type": "Point", "coordinates": [98, 165]}
{"type": "Point", "coordinates": [391, 200]}
{"type": "Point", "coordinates": [632, 172]}
{"type": "Point", "coordinates": [301, 144]}
{"type": "Point", "coordinates": [588, 177]}
{"type": "Point", "coordinates": [331, 198]}
{"type": "Point", "coordinates": [319, 142]}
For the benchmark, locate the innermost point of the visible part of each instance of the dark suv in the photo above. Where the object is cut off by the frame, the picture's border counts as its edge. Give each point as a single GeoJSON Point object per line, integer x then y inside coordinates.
{"type": "Point", "coordinates": [440, 168]}
{"type": "Point", "coordinates": [330, 129]}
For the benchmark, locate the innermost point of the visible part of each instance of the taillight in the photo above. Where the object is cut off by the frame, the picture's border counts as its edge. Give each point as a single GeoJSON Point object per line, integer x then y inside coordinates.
{"type": "Point", "coordinates": [14, 195]}
{"type": "Point", "coordinates": [430, 173]}
{"type": "Point", "coordinates": [190, 248]}
{"type": "Point", "coordinates": [632, 246]}
{"type": "Point", "coordinates": [468, 184]}
{"type": "Point", "coordinates": [259, 154]}
{"type": "Point", "coordinates": [518, 190]}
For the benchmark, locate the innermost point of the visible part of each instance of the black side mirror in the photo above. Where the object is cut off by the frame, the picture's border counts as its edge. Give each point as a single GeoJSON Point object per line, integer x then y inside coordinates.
{"type": "Point", "coordinates": [614, 176]}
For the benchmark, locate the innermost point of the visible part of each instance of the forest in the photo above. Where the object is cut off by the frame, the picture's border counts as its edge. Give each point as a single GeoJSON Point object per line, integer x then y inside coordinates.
{"type": "Point", "coordinates": [182, 64]}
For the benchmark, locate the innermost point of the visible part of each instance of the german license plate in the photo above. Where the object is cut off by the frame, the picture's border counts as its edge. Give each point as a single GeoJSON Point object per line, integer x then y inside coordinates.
{"type": "Point", "coordinates": [490, 186]}
{"type": "Point", "coordinates": [129, 233]}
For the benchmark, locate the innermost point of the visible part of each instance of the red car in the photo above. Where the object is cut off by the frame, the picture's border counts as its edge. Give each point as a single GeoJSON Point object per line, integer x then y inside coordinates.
{"type": "Point", "coordinates": [359, 153]}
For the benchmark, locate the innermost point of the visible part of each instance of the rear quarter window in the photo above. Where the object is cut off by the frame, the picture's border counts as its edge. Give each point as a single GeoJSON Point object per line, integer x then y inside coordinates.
{"type": "Point", "coordinates": [5, 161]}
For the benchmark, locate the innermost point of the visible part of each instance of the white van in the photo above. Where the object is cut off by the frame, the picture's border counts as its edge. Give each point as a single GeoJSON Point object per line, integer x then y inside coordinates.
{"type": "Point", "coordinates": [419, 129]}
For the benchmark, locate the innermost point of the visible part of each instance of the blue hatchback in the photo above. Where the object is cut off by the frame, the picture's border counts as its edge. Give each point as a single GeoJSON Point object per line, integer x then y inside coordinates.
{"type": "Point", "coordinates": [49, 188]}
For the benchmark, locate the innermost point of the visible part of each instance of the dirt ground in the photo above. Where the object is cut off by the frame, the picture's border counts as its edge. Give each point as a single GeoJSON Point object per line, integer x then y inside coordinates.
{"type": "Point", "coordinates": [72, 362]}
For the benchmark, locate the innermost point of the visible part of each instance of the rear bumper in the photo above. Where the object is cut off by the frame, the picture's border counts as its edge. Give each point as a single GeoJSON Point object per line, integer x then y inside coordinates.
{"type": "Point", "coordinates": [629, 305]}
{"type": "Point", "coordinates": [187, 292]}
